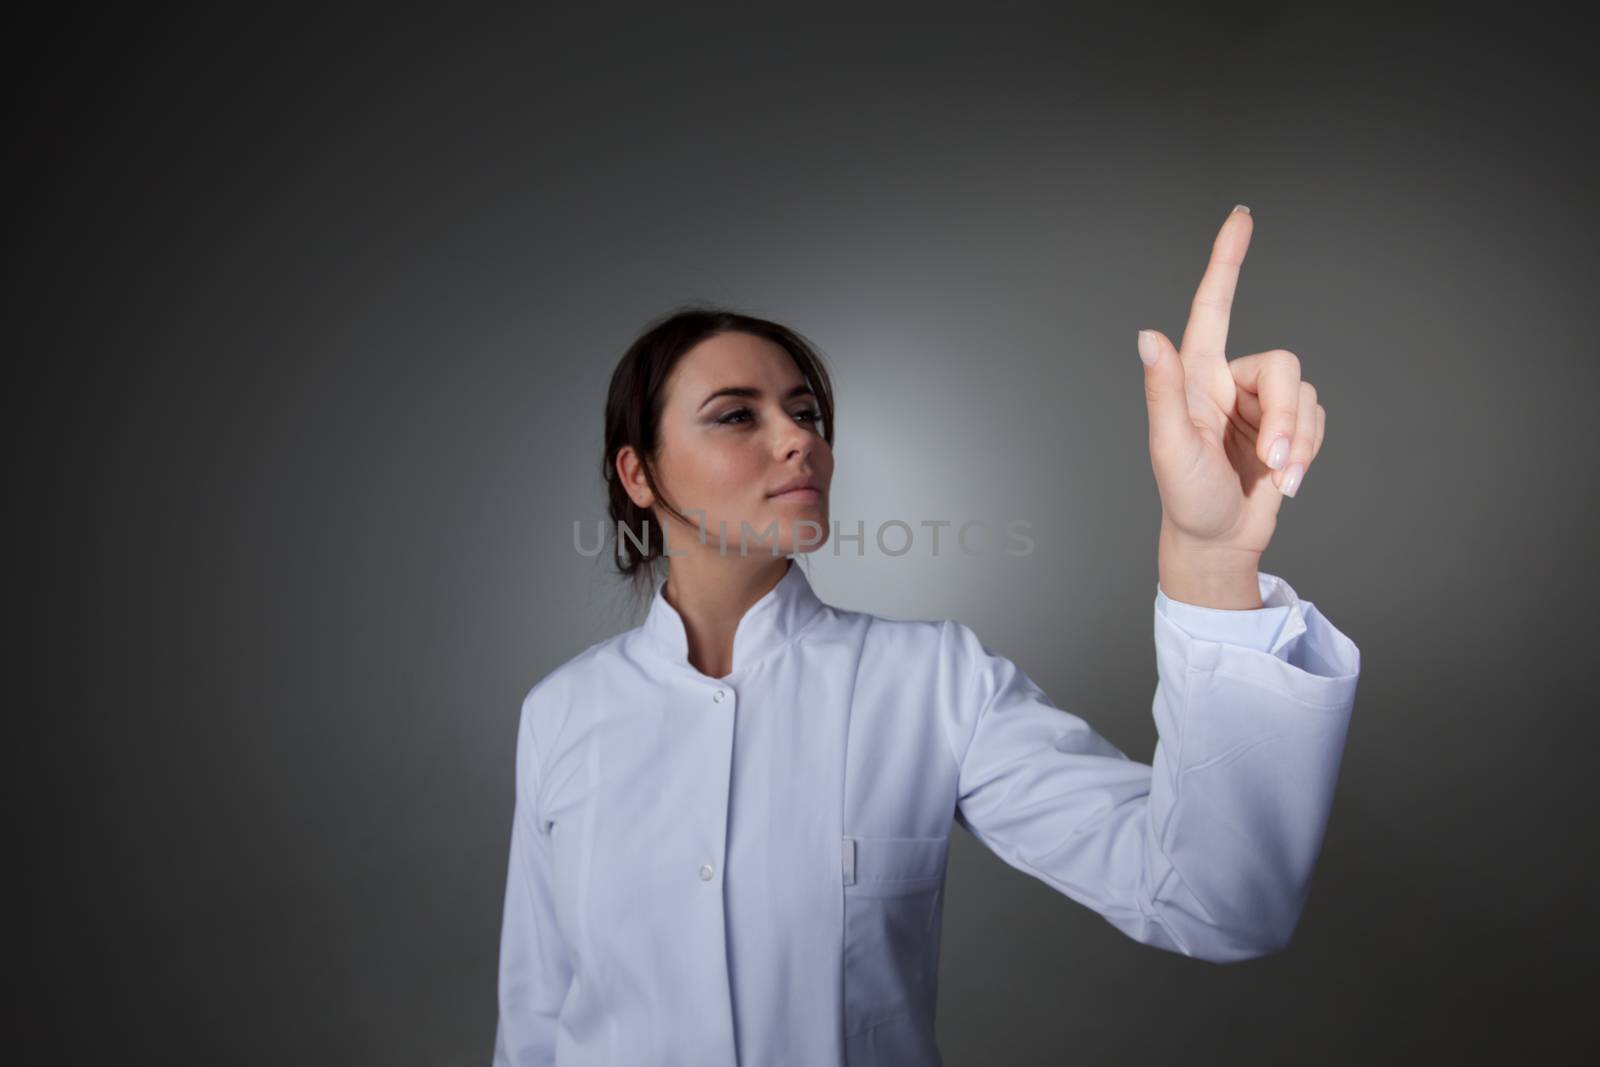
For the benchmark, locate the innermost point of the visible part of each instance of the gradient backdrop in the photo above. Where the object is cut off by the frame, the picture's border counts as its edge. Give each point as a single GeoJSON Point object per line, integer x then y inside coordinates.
{"type": "Point", "coordinates": [311, 322]}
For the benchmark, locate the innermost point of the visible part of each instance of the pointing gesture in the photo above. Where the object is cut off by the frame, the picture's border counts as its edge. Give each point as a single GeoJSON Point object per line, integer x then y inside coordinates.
{"type": "Point", "coordinates": [1228, 440]}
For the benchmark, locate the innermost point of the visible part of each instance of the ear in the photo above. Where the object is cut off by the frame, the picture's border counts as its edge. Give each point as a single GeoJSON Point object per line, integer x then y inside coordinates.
{"type": "Point", "coordinates": [631, 473]}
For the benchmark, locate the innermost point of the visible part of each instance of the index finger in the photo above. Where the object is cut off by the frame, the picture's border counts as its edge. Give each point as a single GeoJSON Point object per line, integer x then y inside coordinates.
{"type": "Point", "coordinates": [1206, 335]}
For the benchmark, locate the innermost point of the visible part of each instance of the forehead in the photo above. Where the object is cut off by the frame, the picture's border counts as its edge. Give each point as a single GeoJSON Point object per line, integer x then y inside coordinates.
{"type": "Point", "coordinates": [733, 359]}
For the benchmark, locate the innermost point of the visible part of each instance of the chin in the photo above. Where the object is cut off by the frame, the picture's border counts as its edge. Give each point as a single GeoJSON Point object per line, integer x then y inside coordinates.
{"type": "Point", "coordinates": [792, 538]}
{"type": "Point", "coordinates": [809, 546]}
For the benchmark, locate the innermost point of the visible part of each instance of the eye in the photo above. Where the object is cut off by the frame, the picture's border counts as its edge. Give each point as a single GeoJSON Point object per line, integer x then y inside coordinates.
{"type": "Point", "coordinates": [739, 415]}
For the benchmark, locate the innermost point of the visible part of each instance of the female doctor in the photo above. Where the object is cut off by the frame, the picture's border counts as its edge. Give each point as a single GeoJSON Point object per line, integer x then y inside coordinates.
{"type": "Point", "coordinates": [732, 821]}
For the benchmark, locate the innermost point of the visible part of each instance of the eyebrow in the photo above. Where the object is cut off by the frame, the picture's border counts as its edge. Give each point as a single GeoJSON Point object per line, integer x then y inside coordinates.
{"type": "Point", "coordinates": [750, 391]}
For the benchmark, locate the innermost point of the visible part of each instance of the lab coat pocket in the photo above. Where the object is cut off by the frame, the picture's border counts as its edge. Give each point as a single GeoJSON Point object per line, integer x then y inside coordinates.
{"type": "Point", "coordinates": [891, 896]}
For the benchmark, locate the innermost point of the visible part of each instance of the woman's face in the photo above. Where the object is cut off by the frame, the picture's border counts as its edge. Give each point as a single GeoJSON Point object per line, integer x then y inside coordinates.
{"type": "Point", "coordinates": [731, 453]}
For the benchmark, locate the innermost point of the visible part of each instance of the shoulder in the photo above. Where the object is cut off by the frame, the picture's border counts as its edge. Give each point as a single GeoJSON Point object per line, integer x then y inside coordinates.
{"type": "Point", "coordinates": [938, 670]}
{"type": "Point", "coordinates": [947, 647]}
{"type": "Point", "coordinates": [549, 702]}
{"type": "Point", "coordinates": [948, 655]}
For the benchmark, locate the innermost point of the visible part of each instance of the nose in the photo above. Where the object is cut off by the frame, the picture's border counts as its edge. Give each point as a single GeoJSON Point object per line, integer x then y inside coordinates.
{"type": "Point", "coordinates": [794, 440]}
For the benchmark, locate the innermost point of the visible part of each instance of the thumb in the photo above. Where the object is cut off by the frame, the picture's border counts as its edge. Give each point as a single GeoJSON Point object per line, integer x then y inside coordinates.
{"type": "Point", "coordinates": [1164, 390]}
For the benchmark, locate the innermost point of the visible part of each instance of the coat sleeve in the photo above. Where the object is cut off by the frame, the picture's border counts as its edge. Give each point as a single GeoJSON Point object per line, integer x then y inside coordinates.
{"type": "Point", "coordinates": [534, 970]}
{"type": "Point", "coordinates": [1208, 850]}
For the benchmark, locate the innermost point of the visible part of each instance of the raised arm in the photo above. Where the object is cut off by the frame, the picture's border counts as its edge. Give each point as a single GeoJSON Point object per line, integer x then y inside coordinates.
{"type": "Point", "coordinates": [1208, 850]}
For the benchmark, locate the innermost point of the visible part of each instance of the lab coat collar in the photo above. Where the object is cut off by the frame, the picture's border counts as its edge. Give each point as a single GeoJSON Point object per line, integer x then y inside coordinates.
{"type": "Point", "coordinates": [769, 624]}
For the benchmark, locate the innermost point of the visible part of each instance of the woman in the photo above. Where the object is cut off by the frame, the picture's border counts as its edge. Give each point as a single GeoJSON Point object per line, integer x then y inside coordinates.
{"type": "Point", "coordinates": [732, 821]}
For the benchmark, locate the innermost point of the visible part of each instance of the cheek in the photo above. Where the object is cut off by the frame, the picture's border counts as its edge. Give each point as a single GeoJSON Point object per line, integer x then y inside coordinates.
{"type": "Point", "coordinates": [822, 462]}
{"type": "Point", "coordinates": [716, 472]}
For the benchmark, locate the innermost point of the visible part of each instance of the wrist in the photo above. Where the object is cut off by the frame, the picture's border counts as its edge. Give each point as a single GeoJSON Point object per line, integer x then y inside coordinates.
{"type": "Point", "coordinates": [1208, 575]}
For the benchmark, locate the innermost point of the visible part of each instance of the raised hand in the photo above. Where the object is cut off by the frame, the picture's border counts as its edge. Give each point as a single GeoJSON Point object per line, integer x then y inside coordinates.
{"type": "Point", "coordinates": [1228, 439]}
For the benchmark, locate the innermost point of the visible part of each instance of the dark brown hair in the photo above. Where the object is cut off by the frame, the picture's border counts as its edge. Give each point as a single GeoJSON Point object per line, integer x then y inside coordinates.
{"type": "Point", "coordinates": [633, 417]}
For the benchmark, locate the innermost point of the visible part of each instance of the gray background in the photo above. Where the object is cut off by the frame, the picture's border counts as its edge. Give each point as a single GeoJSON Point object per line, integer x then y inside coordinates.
{"type": "Point", "coordinates": [311, 327]}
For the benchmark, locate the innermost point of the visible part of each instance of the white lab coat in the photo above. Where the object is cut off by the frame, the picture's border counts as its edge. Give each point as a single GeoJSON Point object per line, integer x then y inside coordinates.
{"type": "Point", "coordinates": [750, 870]}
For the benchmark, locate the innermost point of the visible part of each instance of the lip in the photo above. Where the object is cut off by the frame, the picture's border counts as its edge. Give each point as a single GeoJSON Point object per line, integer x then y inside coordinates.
{"type": "Point", "coordinates": [803, 495]}
{"type": "Point", "coordinates": [794, 489]}
{"type": "Point", "coordinates": [804, 482]}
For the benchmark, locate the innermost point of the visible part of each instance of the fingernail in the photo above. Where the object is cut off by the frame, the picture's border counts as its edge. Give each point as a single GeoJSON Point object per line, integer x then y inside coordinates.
{"type": "Point", "coordinates": [1278, 453]}
{"type": "Point", "coordinates": [1241, 207]}
{"type": "Point", "coordinates": [1292, 478]}
{"type": "Point", "coordinates": [1148, 350]}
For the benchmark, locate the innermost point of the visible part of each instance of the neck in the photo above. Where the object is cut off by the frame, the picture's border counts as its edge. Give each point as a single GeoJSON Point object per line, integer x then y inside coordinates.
{"type": "Point", "coordinates": [712, 593]}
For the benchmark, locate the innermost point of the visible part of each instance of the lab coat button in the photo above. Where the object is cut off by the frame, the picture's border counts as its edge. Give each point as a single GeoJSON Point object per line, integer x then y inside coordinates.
{"type": "Point", "coordinates": [706, 872]}
{"type": "Point", "coordinates": [717, 696]}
